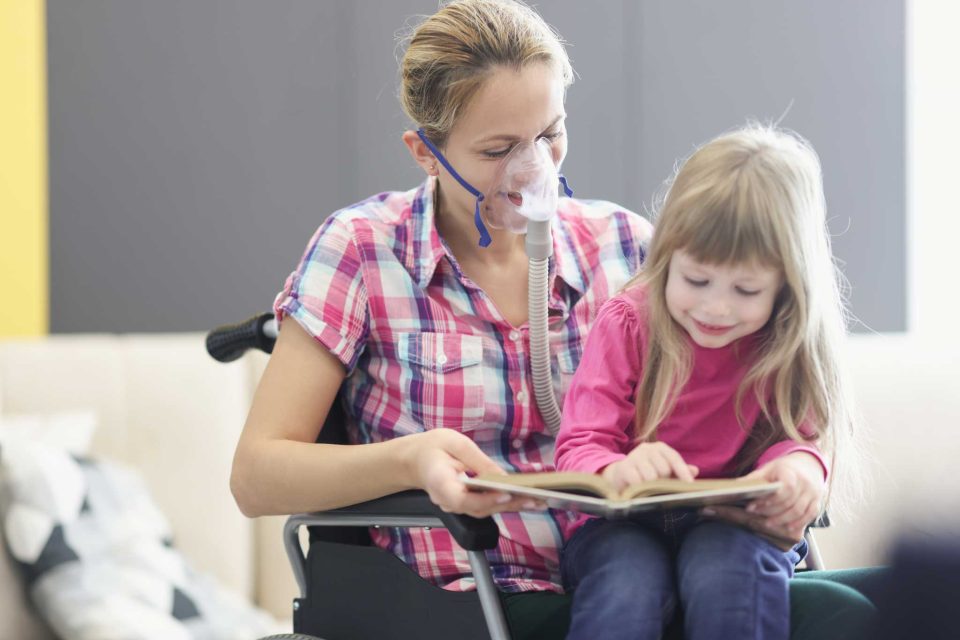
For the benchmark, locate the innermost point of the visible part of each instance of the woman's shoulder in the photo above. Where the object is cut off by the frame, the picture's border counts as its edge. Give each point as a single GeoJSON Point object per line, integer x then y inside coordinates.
{"type": "Point", "coordinates": [601, 219]}
{"type": "Point", "coordinates": [605, 241]}
{"type": "Point", "coordinates": [386, 220]}
{"type": "Point", "coordinates": [384, 210]}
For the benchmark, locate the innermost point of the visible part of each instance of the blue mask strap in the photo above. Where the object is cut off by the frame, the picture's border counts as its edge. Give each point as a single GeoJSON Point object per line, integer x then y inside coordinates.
{"type": "Point", "coordinates": [484, 235]}
{"type": "Point", "coordinates": [566, 187]}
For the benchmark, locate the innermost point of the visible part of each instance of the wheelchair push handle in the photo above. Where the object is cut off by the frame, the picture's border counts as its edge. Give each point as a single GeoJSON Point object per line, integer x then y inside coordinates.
{"type": "Point", "coordinates": [229, 342]}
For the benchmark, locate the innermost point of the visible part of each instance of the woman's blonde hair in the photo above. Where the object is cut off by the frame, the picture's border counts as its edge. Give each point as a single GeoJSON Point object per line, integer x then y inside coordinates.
{"type": "Point", "coordinates": [755, 195]}
{"type": "Point", "coordinates": [450, 54]}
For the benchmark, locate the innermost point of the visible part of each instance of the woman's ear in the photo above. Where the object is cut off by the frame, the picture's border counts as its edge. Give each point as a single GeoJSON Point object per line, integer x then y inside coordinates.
{"type": "Point", "coordinates": [421, 153]}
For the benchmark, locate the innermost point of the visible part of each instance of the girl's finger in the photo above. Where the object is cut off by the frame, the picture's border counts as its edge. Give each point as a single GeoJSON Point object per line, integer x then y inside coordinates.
{"type": "Point", "coordinates": [661, 466]}
{"type": "Point", "coordinates": [678, 467]}
{"type": "Point", "coordinates": [646, 470]}
{"type": "Point", "coordinates": [628, 475]}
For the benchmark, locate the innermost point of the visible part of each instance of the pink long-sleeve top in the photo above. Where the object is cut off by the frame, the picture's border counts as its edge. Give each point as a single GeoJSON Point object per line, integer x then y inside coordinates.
{"type": "Point", "coordinates": [598, 411]}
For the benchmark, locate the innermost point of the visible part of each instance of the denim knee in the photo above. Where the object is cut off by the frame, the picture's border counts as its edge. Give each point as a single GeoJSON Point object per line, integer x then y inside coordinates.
{"type": "Point", "coordinates": [622, 581]}
{"type": "Point", "coordinates": [733, 582]}
{"type": "Point", "coordinates": [724, 552]}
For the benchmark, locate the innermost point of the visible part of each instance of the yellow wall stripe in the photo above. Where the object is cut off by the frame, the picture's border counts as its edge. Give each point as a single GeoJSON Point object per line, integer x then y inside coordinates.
{"type": "Point", "coordinates": [24, 280]}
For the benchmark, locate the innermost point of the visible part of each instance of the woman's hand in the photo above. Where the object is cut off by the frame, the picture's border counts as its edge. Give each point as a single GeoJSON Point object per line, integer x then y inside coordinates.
{"type": "Point", "coordinates": [439, 457]}
{"type": "Point", "coordinates": [785, 514]}
{"type": "Point", "coordinates": [648, 461]}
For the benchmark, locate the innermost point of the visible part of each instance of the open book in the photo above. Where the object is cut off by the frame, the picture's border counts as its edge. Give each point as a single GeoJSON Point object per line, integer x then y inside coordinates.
{"type": "Point", "coordinates": [590, 493]}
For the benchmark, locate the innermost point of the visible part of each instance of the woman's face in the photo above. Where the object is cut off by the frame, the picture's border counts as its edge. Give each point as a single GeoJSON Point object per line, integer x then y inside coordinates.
{"type": "Point", "coordinates": [510, 107]}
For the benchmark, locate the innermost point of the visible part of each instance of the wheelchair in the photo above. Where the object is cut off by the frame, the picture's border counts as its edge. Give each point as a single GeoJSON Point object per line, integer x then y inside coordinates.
{"type": "Point", "coordinates": [342, 572]}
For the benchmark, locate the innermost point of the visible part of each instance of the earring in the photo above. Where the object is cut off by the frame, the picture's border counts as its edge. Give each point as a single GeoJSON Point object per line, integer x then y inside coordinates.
{"type": "Point", "coordinates": [433, 170]}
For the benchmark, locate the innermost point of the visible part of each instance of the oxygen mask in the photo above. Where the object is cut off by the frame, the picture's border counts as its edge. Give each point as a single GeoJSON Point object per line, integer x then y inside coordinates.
{"type": "Point", "coordinates": [523, 189]}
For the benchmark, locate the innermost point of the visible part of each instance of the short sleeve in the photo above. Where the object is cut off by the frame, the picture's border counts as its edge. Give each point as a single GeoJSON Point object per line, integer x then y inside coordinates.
{"type": "Point", "coordinates": [326, 293]}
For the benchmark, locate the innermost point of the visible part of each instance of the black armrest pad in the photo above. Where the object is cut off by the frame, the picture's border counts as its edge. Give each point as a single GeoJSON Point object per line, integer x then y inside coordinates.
{"type": "Point", "coordinates": [473, 534]}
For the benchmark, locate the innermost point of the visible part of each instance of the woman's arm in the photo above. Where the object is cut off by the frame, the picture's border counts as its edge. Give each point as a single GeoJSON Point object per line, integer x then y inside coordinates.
{"type": "Point", "coordinates": [278, 468]}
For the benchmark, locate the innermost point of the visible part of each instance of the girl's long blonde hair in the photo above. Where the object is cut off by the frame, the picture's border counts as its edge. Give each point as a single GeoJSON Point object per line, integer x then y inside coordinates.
{"type": "Point", "coordinates": [755, 195]}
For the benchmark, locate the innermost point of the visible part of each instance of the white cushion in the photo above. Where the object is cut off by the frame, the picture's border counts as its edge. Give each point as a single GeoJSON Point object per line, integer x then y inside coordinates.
{"type": "Point", "coordinates": [89, 569]}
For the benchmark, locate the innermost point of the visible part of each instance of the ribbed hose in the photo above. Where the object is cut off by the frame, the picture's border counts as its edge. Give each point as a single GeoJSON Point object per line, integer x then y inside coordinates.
{"type": "Point", "coordinates": [539, 248]}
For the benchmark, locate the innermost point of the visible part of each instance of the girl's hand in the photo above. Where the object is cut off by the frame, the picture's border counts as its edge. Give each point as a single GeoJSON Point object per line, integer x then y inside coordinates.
{"type": "Point", "coordinates": [648, 461]}
{"type": "Point", "coordinates": [439, 457]}
{"type": "Point", "coordinates": [786, 513]}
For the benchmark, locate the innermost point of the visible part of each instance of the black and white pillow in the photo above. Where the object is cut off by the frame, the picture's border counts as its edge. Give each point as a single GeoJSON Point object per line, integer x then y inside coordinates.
{"type": "Point", "coordinates": [97, 558]}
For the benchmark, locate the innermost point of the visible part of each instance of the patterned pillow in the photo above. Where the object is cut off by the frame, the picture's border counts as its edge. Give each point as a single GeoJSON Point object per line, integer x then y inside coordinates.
{"type": "Point", "coordinates": [97, 558]}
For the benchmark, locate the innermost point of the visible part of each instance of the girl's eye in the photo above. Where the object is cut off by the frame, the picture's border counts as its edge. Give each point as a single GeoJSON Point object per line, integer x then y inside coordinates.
{"type": "Point", "coordinates": [696, 283]}
{"type": "Point", "coordinates": [747, 292]}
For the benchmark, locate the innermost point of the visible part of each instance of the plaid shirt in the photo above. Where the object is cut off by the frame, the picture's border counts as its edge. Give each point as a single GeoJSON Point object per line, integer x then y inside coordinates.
{"type": "Point", "coordinates": [425, 348]}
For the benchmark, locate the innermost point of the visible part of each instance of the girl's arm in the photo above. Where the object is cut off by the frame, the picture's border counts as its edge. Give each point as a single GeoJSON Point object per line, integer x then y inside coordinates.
{"type": "Point", "coordinates": [598, 410]}
{"type": "Point", "coordinates": [800, 498]}
{"type": "Point", "coordinates": [785, 514]}
{"type": "Point", "coordinates": [279, 469]}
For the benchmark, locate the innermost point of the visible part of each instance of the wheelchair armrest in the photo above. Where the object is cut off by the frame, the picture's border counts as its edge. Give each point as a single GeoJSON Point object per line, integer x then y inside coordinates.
{"type": "Point", "coordinates": [404, 509]}
{"type": "Point", "coordinates": [473, 534]}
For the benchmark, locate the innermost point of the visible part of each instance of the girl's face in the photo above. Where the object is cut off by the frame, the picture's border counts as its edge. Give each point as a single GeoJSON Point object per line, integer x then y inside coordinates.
{"type": "Point", "coordinates": [510, 107]}
{"type": "Point", "coordinates": [718, 304]}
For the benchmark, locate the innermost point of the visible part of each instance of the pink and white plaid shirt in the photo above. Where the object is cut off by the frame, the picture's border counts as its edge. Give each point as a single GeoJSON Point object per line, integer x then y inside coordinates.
{"type": "Point", "coordinates": [425, 348]}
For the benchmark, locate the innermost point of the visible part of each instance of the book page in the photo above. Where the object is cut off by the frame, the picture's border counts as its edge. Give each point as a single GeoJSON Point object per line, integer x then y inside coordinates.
{"type": "Point", "coordinates": [670, 486]}
{"type": "Point", "coordinates": [565, 481]}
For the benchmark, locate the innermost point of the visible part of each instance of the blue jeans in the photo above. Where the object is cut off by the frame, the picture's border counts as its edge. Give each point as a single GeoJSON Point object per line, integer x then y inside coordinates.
{"type": "Point", "coordinates": [630, 577]}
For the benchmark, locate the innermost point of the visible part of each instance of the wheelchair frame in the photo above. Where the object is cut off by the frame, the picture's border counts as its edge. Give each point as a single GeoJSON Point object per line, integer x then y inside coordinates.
{"type": "Point", "coordinates": [405, 509]}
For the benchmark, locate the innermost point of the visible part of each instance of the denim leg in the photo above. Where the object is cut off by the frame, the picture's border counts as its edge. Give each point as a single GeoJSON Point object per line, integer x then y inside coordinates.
{"type": "Point", "coordinates": [621, 575]}
{"type": "Point", "coordinates": [734, 584]}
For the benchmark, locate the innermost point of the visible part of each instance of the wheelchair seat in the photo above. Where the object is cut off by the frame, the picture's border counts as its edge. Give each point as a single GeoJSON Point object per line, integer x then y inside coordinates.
{"type": "Point", "coordinates": [350, 588]}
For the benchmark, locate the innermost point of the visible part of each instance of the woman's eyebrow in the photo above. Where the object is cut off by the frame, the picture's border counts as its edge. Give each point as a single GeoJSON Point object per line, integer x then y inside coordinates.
{"type": "Point", "coordinates": [508, 137]}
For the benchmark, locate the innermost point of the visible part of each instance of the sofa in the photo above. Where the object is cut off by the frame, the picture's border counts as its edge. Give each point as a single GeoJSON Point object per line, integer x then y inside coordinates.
{"type": "Point", "coordinates": [167, 409]}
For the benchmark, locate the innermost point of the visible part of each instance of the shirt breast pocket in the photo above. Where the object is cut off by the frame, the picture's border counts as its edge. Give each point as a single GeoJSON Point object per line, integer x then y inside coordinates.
{"type": "Point", "coordinates": [442, 377]}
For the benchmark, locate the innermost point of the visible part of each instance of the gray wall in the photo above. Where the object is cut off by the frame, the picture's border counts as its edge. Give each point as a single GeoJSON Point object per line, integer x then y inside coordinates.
{"type": "Point", "coordinates": [196, 145]}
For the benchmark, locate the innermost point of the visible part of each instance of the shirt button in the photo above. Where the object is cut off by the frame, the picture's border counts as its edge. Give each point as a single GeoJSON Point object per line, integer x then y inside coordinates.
{"type": "Point", "coordinates": [522, 396]}
{"type": "Point", "coordinates": [518, 444]}
{"type": "Point", "coordinates": [515, 335]}
{"type": "Point", "coordinates": [441, 359]}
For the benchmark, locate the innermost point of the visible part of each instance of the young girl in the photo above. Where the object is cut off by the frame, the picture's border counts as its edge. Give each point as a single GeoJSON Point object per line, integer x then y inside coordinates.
{"type": "Point", "coordinates": [718, 359]}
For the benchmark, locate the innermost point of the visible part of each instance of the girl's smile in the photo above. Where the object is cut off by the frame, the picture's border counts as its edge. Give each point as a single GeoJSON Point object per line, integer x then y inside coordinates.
{"type": "Point", "coordinates": [718, 304]}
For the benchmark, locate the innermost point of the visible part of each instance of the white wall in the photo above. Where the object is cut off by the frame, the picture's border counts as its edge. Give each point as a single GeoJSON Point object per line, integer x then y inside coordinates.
{"type": "Point", "coordinates": [907, 385]}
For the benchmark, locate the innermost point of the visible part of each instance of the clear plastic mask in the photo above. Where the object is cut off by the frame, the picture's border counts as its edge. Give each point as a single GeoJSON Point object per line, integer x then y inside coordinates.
{"type": "Point", "coordinates": [524, 188]}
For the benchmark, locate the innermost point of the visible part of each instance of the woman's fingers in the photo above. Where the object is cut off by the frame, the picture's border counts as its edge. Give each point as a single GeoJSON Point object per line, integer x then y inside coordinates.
{"type": "Point", "coordinates": [466, 451]}
{"type": "Point", "coordinates": [782, 537]}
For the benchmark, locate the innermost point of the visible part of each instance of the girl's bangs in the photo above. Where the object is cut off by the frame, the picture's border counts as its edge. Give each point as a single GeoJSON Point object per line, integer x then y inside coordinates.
{"type": "Point", "coordinates": [732, 231]}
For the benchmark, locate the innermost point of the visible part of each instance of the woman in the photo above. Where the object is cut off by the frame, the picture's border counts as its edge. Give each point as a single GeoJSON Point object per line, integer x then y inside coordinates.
{"type": "Point", "coordinates": [396, 299]}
